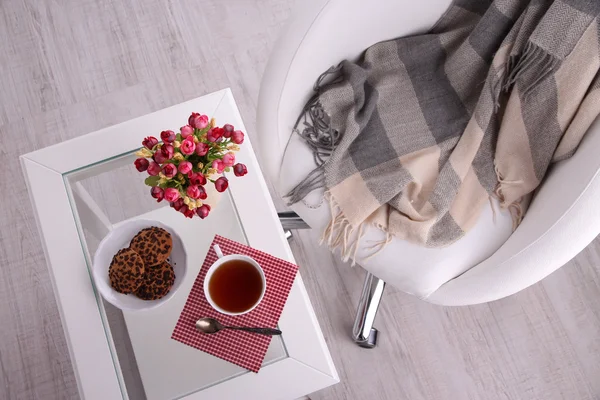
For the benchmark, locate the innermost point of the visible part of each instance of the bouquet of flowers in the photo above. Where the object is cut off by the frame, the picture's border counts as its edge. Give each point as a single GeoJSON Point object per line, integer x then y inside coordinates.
{"type": "Point", "coordinates": [184, 162]}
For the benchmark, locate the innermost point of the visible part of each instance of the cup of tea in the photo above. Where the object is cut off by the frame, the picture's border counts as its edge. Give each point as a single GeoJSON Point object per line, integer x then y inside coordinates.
{"type": "Point", "coordinates": [235, 284]}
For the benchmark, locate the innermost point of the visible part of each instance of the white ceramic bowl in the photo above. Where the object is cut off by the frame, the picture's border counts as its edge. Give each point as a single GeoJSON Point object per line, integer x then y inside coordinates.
{"type": "Point", "coordinates": [119, 238]}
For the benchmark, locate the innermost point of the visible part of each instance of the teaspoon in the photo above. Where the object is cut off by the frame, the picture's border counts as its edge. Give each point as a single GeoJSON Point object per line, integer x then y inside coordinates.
{"type": "Point", "coordinates": [211, 325]}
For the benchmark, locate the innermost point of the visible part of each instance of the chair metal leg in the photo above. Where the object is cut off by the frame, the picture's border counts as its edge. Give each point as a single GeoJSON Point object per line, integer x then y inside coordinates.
{"type": "Point", "coordinates": [363, 332]}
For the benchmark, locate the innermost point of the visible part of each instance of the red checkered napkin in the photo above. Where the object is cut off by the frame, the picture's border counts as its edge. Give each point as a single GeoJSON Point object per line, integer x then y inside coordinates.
{"type": "Point", "coordinates": [242, 348]}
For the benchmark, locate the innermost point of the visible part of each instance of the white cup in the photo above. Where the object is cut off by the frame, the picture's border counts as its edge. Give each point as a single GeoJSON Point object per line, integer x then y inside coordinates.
{"type": "Point", "coordinates": [222, 260]}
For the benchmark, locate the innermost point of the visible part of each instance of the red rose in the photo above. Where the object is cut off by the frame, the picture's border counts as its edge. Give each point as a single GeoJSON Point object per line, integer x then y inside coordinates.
{"type": "Point", "coordinates": [237, 137]}
{"type": "Point", "coordinates": [178, 204]}
{"type": "Point", "coordinates": [214, 134]}
{"type": "Point", "coordinates": [150, 142]}
{"type": "Point", "coordinates": [203, 211]}
{"type": "Point", "coordinates": [203, 194]}
{"type": "Point", "coordinates": [221, 184]}
{"type": "Point", "coordinates": [197, 178]}
{"type": "Point", "coordinates": [228, 130]}
{"type": "Point", "coordinates": [168, 151]}
{"type": "Point", "coordinates": [202, 149]}
{"type": "Point", "coordinates": [170, 170]}
{"type": "Point", "coordinates": [159, 157]}
{"type": "Point", "coordinates": [240, 169]}
{"type": "Point", "coordinates": [157, 193]}
{"type": "Point", "coordinates": [167, 136]}
{"type": "Point", "coordinates": [141, 164]}
{"type": "Point", "coordinates": [153, 169]}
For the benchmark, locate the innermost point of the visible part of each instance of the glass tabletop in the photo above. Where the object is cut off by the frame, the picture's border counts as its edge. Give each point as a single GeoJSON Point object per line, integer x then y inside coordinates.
{"type": "Point", "coordinates": [153, 365]}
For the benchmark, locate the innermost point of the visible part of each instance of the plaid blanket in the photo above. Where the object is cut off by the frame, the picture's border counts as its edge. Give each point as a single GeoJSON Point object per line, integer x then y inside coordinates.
{"type": "Point", "coordinates": [418, 134]}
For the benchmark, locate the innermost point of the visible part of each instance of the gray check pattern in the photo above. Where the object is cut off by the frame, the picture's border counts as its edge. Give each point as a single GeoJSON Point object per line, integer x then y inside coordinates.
{"type": "Point", "coordinates": [418, 134]}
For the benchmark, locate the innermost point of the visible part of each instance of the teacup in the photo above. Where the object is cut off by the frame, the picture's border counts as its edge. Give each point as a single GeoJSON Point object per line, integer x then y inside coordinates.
{"type": "Point", "coordinates": [235, 284]}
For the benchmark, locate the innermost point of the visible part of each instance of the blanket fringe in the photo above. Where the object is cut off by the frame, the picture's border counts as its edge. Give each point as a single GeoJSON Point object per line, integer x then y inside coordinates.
{"type": "Point", "coordinates": [532, 58]}
{"type": "Point", "coordinates": [340, 234]}
{"type": "Point", "coordinates": [318, 135]}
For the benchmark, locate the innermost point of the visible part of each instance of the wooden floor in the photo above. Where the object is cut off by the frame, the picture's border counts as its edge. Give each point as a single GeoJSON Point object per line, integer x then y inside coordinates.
{"type": "Point", "coordinates": [73, 66]}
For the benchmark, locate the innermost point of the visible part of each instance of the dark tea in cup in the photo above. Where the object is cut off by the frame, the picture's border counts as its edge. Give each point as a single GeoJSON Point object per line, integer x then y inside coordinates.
{"type": "Point", "coordinates": [235, 286]}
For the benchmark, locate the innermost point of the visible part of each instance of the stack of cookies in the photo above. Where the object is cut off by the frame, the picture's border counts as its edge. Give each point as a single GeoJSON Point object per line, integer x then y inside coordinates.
{"type": "Point", "coordinates": [143, 268]}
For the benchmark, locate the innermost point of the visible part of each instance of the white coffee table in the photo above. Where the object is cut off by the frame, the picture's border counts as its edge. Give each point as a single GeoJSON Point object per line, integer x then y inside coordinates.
{"type": "Point", "coordinates": [80, 189]}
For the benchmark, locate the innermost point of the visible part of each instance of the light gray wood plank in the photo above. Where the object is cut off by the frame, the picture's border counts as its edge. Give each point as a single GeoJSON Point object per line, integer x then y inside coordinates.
{"type": "Point", "coordinates": [71, 67]}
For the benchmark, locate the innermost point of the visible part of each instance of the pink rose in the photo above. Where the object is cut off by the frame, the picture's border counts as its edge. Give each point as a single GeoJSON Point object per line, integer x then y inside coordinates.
{"type": "Point", "coordinates": [237, 137]}
{"type": "Point", "coordinates": [153, 169]}
{"type": "Point", "coordinates": [157, 193]}
{"type": "Point", "coordinates": [193, 191]}
{"type": "Point", "coordinates": [141, 164]}
{"type": "Point", "coordinates": [185, 167]}
{"type": "Point", "coordinates": [197, 179]}
{"type": "Point", "coordinates": [203, 211]}
{"type": "Point", "coordinates": [240, 169]}
{"type": "Point", "coordinates": [229, 159]}
{"type": "Point", "coordinates": [228, 130]}
{"type": "Point", "coordinates": [219, 165]}
{"type": "Point", "coordinates": [187, 146]}
{"type": "Point", "coordinates": [150, 142]}
{"type": "Point", "coordinates": [171, 194]}
{"type": "Point", "coordinates": [186, 131]}
{"type": "Point", "coordinates": [198, 121]}
{"type": "Point", "coordinates": [170, 170]}
{"type": "Point", "coordinates": [167, 136]}
{"type": "Point", "coordinates": [191, 118]}
{"type": "Point", "coordinates": [221, 184]}
{"type": "Point", "coordinates": [202, 149]}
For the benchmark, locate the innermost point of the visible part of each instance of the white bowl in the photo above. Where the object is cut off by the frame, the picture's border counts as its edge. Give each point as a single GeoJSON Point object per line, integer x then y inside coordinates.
{"type": "Point", "coordinates": [119, 238]}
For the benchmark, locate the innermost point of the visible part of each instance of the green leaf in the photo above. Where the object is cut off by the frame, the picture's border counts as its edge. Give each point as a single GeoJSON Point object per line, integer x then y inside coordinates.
{"type": "Point", "coordinates": [152, 180]}
{"type": "Point", "coordinates": [227, 169]}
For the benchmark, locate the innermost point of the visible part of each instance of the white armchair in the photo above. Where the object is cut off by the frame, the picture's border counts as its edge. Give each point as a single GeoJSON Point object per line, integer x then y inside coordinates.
{"type": "Point", "coordinates": [491, 261]}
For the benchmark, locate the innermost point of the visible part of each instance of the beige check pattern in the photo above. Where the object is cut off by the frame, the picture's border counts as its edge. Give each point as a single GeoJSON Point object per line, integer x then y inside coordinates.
{"type": "Point", "coordinates": [430, 126]}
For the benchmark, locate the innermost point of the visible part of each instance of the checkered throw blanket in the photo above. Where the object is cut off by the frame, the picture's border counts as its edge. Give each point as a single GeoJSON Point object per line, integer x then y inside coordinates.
{"type": "Point", "coordinates": [416, 135]}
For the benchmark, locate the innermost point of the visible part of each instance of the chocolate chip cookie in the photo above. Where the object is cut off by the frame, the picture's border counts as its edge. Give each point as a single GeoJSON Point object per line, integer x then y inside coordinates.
{"type": "Point", "coordinates": [126, 271]}
{"type": "Point", "coordinates": [157, 283]}
{"type": "Point", "coordinates": [153, 244]}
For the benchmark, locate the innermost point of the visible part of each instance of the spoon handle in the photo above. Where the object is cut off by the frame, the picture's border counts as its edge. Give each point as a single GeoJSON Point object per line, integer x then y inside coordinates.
{"type": "Point", "coordinates": [261, 331]}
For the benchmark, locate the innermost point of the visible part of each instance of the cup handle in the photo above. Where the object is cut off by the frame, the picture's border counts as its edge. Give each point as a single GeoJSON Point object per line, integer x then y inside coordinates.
{"type": "Point", "coordinates": [218, 251]}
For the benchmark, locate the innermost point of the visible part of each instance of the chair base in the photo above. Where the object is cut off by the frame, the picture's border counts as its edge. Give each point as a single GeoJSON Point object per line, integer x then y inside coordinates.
{"type": "Point", "coordinates": [370, 342]}
{"type": "Point", "coordinates": [363, 332]}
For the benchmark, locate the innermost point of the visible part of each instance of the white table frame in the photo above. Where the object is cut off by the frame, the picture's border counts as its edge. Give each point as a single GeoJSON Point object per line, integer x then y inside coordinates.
{"type": "Point", "coordinates": [309, 366]}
